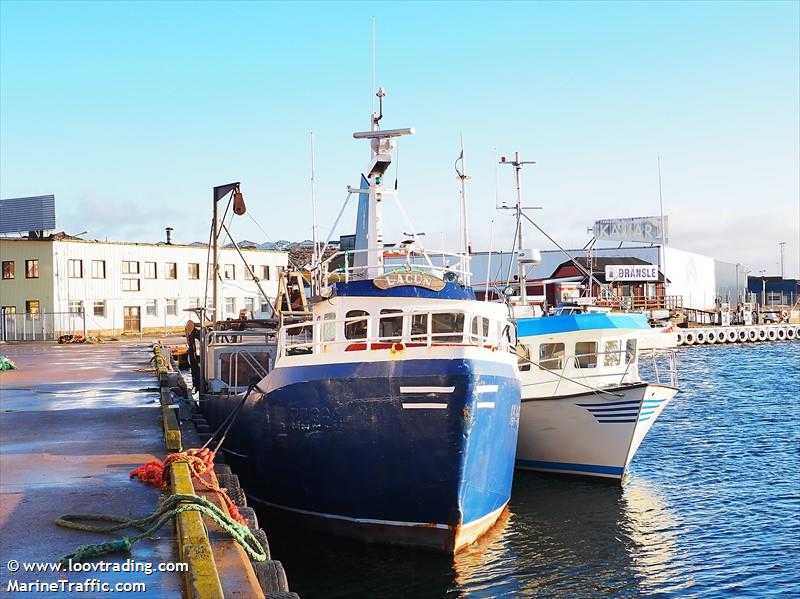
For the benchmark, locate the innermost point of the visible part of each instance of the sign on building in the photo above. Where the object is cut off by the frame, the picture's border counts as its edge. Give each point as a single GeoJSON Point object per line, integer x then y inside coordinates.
{"type": "Point", "coordinates": [19, 215]}
{"type": "Point", "coordinates": [631, 272]}
{"type": "Point", "coordinates": [646, 229]}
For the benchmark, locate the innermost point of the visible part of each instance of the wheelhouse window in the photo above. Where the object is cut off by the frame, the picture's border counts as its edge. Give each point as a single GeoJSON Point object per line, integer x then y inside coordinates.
{"type": "Point", "coordinates": [586, 354]}
{"type": "Point", "coordinates": [448, 327]}
{"type": "Point", "coordinates": [328, 326]}
{"type": "Point", "coordinates": [98, 269]}
{"type": "Point", "coordinates": [358, 328]}
{"type": "Point", "coordinates": [419, 327]}
{"type": "Point", "coordinates": [150, 270]}
{"type": "Point", "coordinates": [479, 329]}
{"type": "Point", "coordinates": [390, 328]}
{"type": "Point", "coordinates": [611, 355]}
{"type": "Point", "coordinates": [31, 269]}
{"type": "Point", "coordinates": [170, 270]}
{"type": "Point", "coordinates": [551, 356]}
{"type": "Point", "coordinates": [8, 269]}
{"type": "Point", "coordinates": [630, 351]}
{"type": "Point", "coordinates": [523, 357]}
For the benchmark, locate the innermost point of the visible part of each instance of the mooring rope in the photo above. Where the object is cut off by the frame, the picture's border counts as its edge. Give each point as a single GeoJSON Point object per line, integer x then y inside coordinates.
{"type": "Point", "coordinates": [169, 509]}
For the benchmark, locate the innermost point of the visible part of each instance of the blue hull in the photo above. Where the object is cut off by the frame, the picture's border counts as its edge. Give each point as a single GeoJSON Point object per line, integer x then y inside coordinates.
{"type": "Point", "coordinates": [363, 449]}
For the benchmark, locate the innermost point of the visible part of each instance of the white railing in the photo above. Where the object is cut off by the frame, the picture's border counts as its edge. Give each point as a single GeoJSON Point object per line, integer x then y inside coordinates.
{"type": "Point", "coordinates": [395, 259]}
{"type": "Point", "coordinates": [41, 326]}
{"type": "Point", "coordinates": [321, 335]}
{"type": "Point", "coordinates": [663, 363]}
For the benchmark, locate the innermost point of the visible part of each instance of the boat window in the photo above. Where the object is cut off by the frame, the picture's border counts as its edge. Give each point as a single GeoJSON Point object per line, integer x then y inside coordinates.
{"type": "Point", "coordinates": [419, 327]}
{"type": "Point", "coordinates": [612, 357]}
{"type": "Point", "coordinates": [551, 356]}
{"type": "Point", "coordinates": [586, 354]}
{"type": "Point", "coordinates": [329, 327]}
{"type": "Point", "coordinates": [442, 324]}
{"type": "Point", "coordinates": [390, 328]}
{"type": "Point", "coordinates": [630, 351]}
{"type": "Point", "coordinates": [475, 326]}
{"type": "Point", "coordinates": [358, 328]}
{"type": "Point", "coordinates": [523, 357]}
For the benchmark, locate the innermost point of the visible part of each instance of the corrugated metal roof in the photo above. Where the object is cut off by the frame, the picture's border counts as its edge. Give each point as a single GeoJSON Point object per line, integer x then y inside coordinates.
{"type": "Point", "coordinates": [37, 213]}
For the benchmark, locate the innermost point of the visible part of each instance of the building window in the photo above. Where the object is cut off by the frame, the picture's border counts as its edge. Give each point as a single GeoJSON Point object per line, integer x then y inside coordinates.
{"type": "Point", "coordinates": [551, 356]}
{"type": "Point", "coordinates": [230, 305]}
{"type": "Point", "coordinates": [131, 284]}
{"type": "Point", "coordinates": [32, 306]}
{"type": "Point", "coordinates": [150, 271]}
{"type": "Point", "coordinates": [75, 307]}
{"type": "Point", "coordinates": [171, 306]}
{"type": "Point", "coordinates": [150, 308]}
{"type": "Point", "coordinates": [130, 267]}
{"type": "Point", "coordinates": [250, 306]}
{"type": "Point", "coordinates": [170, 270]}
{"type": "Point", "coordinates": [31, 269]}
{"type": "Point", "coordinates": [230, 272]}
{"type": "Point", "coordinates": [8, 269]}
{"type": "Point", "coordinates": [193, 271]}
{"type": "Point", "coordinates": [265, 273]}
{"type": "Point", "coordinates": [9, 310]}
{"type": "Point", "coordinates": [586, 354]}
{"type": "Point", "coordinates": [248, 273]}
{"type": "Point", "coordinates": [99, 309]}
{"type": "Point", "coordinates": [264, 307]}
{"type": "Point", "coordinates": [75, 269]}
{"type": "Point", "coordinates": [193, 302]}
{"type": "Point", "coordinates": [98, 269]}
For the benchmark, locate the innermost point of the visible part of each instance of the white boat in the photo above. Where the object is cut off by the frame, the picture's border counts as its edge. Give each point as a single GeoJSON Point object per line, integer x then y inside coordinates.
{"type": "Point", "coordinates": [585, 409]}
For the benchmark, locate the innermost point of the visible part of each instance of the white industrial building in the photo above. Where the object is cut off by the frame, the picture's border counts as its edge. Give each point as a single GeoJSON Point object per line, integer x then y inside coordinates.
{"type": "Point", "coordinates": [53, 284]}
{"type": "Point", "coordinates": [698, 279]}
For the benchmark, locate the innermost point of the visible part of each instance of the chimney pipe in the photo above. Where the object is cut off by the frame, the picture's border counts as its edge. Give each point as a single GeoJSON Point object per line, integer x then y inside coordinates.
{"type": "Point", "coordinates": [169, 235]}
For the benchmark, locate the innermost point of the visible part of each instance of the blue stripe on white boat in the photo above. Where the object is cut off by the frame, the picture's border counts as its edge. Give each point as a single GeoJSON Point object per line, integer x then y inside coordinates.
{"type": "Point", "coordinates": [565, 466]}
{"type": "Point", "coordinates": [610, 403]}
{"type": "Point", "coordinates": [529, 327]}
{"type": "Point", "coordinates": [619, 409]}
{"type": "Point", "coordinates": [617, 420]}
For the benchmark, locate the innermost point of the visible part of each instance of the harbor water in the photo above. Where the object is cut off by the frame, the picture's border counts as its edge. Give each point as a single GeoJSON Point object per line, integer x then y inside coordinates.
{"type": "Point", "coordinates": [711, 508]}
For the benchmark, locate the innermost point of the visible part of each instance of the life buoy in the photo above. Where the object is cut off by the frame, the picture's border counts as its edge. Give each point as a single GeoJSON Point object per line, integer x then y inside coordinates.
{"type": "Point", "coordinates": [781, 333]}
{"type": "Point", "coordinates": [762, 334]}
{"type": "Point", "coordinates": [772, 334]}
{"type": "Point", "coordinates": [752, 335]}
{"type": "Point", "coordinates": [690, 338]}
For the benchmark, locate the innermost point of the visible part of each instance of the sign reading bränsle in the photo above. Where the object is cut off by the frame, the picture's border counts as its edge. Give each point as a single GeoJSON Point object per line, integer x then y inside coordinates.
{"type": "Point", "coordinates": [408, 279]}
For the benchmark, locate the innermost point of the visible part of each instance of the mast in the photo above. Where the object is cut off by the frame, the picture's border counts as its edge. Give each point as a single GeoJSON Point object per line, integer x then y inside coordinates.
{"type": "Point", "coordinates": [381, 146]}
{"type": "Point", "coordinates": [220, 192]}
{"type": "Point", "coordinates": [517, 164]}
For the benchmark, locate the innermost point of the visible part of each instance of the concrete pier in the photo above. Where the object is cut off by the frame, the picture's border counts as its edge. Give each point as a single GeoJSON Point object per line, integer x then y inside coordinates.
{"type": "Point", "coordinates": [74, 420]}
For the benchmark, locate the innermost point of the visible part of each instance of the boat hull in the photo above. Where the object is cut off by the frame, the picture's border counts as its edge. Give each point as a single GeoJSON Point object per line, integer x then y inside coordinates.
{"type": "Point", "coordinates": [590, 434]}
{"type": "Point", "coordinates": [410, 452]}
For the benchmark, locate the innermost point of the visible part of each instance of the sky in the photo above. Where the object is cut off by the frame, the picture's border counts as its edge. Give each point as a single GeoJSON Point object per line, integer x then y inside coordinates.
{"type": "Point", "coordinates": [131, 112]}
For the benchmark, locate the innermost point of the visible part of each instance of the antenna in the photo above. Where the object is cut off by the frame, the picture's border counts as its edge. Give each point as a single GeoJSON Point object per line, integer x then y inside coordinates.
{"type": "Point", "coordinates": [463, 177]}
{"type": "Point", "coordinates": [374, 68]}
{"type": "Point", "coordinates": [663, 229]}
{"type": "Point", "coordinates": [315, 258]}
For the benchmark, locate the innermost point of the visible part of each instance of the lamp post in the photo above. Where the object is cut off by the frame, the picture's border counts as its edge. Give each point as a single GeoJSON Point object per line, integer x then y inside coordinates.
{"type": "Point", "coordinates": [782, 245]}
{"type": "Point", "coordinates": [763, 272]}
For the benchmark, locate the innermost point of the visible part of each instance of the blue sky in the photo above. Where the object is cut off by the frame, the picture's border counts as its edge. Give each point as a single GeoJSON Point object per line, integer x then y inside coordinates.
{"type": "Point", "coordinates": [131, 112]}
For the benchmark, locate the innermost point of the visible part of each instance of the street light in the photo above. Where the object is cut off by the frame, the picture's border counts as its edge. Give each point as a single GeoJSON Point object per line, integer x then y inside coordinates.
{"type": "Point", "coordinates": [762, 272]}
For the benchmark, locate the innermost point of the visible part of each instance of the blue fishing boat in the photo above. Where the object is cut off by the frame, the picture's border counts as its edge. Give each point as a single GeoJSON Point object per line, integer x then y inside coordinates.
{"type": "Point", "coordinates": [390, 409]}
